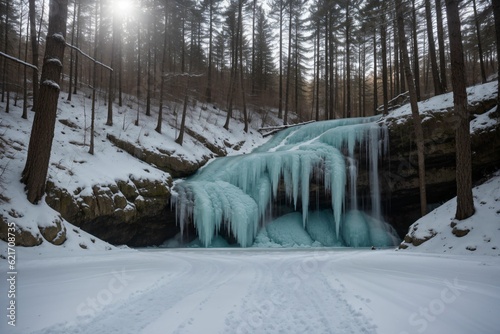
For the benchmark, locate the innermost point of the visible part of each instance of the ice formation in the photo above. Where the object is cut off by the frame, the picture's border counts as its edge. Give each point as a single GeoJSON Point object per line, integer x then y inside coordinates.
{"type": "Point", "coordinates": [236, 193]}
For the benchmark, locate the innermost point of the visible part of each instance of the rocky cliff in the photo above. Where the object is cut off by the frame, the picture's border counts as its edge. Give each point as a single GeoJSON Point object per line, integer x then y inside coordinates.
{"type": "Point", "coordinates": [399, 175]}
{"type": "Point", "coordinates": [135, 212]}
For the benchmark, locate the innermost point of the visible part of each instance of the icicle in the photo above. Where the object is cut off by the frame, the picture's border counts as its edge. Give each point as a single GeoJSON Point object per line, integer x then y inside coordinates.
{"type": "Point", "coordinates": [305, 177]}
{"type": "Point", "coordinates": [338, 197]}
{"type": "Point", "coordinates": [236, 192]}
{"type": "Point", "coordinates": [373, 147]}
{"type": "Point", "coordinates": [353, 178]}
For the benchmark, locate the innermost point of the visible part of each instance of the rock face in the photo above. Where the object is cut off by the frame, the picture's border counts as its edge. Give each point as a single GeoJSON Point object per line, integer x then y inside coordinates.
{"type": "Point", "coordinates": [399, 174]}
{"type": "Point", "coordinates": [132, 212]}
{"type": "Point", "coordinates": [135, 212]}
{"type": "Point", "coordinates": [52, 231]}
{"type": "Point", "coordinates": [26, 238]}
{"type": "Point", "coordinates": [55, 233]}
{"type": "Point", "coordinates": [162, 159]}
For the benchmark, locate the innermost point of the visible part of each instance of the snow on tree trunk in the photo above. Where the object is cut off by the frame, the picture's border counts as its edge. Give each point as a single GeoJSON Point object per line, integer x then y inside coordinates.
{"type": "Point", "coordinates": [34, 174]}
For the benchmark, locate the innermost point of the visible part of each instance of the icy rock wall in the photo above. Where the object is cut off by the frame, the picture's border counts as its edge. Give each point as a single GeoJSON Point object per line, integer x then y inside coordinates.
{"type": "Point", "coordinates": [236, 192]}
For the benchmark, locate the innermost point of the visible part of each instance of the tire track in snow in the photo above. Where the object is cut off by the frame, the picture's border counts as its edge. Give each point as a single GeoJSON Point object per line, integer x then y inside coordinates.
{"type": "Point", "coordinates": [295, 297]}
{"type": "Point", "coordinates": [172, 305]}
{"type": "Point", "coordinates": [136, 311]}
{"type": "Point", "coordinates": [232, 292]}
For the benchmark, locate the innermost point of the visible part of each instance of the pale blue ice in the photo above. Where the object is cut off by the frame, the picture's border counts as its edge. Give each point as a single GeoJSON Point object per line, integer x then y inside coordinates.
{"type": "Point", "coordinates": [237, 193]}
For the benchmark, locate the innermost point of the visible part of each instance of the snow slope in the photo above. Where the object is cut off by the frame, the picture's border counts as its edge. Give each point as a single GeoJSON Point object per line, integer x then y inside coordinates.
{"type": "Point", "coordinates": [444, 103]}
{"type": "Point", "coordinates": [483, 236]}
{"type": "Point", "coordinates": [255, 291]}
{"type": "Point", "coordinates": [74, 169]}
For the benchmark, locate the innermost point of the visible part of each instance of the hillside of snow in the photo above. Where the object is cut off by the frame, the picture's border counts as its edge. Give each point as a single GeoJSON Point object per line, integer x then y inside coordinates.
{"type": "Point", "coordinates": [74, 169]}
{"type": "Point", "coordinates": [444, 103]}
{"type": "Point", "coordinates": [439, 232]}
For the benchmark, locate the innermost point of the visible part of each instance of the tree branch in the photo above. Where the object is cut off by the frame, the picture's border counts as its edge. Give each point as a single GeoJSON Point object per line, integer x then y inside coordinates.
{"type": "Point", "coordinates": [273, 129]}
{"type": "Point", "coordinates": [19, 61]}
{"type": "Point", "coordinates": [89, 57]}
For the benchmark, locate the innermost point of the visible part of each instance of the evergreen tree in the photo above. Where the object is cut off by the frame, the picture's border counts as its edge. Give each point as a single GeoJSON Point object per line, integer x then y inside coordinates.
{"type": "Point", "coordinates": [264, 62]}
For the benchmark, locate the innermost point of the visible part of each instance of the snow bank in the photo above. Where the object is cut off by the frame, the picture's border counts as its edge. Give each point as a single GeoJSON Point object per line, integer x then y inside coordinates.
{"type": "Point", "coordinates": [479, 234]}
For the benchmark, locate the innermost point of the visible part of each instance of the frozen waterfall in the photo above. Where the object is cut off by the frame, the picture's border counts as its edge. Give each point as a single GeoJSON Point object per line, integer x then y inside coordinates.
{"type": "Point", "coordinates": [237, 193]}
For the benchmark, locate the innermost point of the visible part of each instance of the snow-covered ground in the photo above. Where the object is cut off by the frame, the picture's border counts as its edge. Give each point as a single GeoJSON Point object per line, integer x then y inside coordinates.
{"type": "Point", "coordinates": [255, 291]}
{"type": "Point", "coordinates": [444, 103]}
{"type": "Point", "coordinates": [482, 229]}
{"type": "Point", "coordinates": [312, 290]}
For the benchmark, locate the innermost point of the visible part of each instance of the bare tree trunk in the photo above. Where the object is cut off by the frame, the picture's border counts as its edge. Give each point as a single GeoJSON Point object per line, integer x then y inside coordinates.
{"type": "Point", "coordinates": [496, 13]}
{"type": "Point", "coordinates": [35, 171]}
{"type": "Point", "coordinates": [396, 61]}
{"type": "Point", "coordinates": [242, 82]}
{"type": "Point", "coordinates": [440, 33]}
{"type": "Point", "coordinates": [25, 82]}
{"type": "Point", "coordinates": [4, 63]}
{"type": "Point", "coordinates": [208, 91]}
{"type": "Point", "coordinates": [317, 71]}
{"type": "Point", "coordinates": [111, 85]}
{"type": "Point", "coordinates": [70, 88]}
{"type": "Point", "coordinates": [289, 62]}
{"type": "Point", "coordinates": [363, 77]}
{"type": "Point", "coordinates": [416, 64]}
{"type": "Point", "coordinates": [94, 84]}
{"type": "Point", "coordinates": [149, 82]}
{"type": "Point", "coordinates": [34, 51]}
{"type": "Point", "coordinates": [234, 74]}
{"type": "Point", "coordinates": [438, 89]}
{"type": "Point", "coordinates": [419, 134]}
{"type": "Point", "coordinates": [19, 54]}
{"type": "Point", "coordinates": [348, 58]}
{"type": "Point", "coordinates": [138, 83]}
{"type": "Point", "coordinates": [479, 44]}
{"type": "Point", "coordinates": [40, 23]}
{"type": "Point", "coordinates": [331, 91]}
{"type": "Point", "coordinates": [78, 35]}
{"type": "Point", "coordinates": [375, 85]}
{"type": "Point", "coordinates": [180, 138]}
{"type": "Point", "coordinates": [465, 202]}
{"type": "Point", "coordinates": [162, 80]}
{"type": "Point", "coordinates": [327, 71]}
{"type": "Point", "coordinates": [253, 74]}
{"type": "Point", "coordinates": [297, 74]}
{"type": "Point", "coordinates": [120, 67]}
{"type": "Point", "coordinates": [280, 94]}
{"type": "Point", "coordinates": [383, 41]}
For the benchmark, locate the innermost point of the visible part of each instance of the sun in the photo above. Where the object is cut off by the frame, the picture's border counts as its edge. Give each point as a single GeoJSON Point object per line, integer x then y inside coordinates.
{"type": "Point", "coordinates": [123, 8]}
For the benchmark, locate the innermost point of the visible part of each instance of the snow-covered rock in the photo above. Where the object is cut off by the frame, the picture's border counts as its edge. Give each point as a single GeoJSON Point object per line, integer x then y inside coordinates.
{"type": "Point", "coordinates": [439, 232]}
